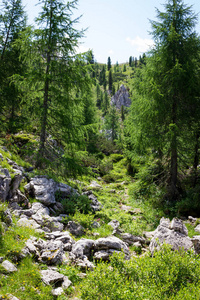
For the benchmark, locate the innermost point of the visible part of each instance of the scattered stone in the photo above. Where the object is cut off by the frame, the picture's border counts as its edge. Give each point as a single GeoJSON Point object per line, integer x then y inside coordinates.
{"type": "Point", "coordinates": [196, 243]}
{"type": "Point", "coordinates": [113, 243]}
{"type": "Point", "coordinates": [82, 248]}
{"type": "Point", "coordinates": [104, 255]}
{"type": "Point", "coordinates": [51, 277]}
{"type": "Point", "coordinates": [75, 228]}
{"type": "Point", "coordinates": [8, 266]}
{"type": "Point", "coordinates": [11, 297]}
{"type": "Point", "coordinates": [95, 185]}
{"type": "Point", "coordinates": [114, 224]}
{"type": "Point", "coordinates": [66, 283]}
{"type": "Point", "coordinates": [28, 223]}
{"type": "Point", "coordinates": [132, 239]}
{"type": "Point", "coordinates": [95, 224]}
{"type": "Point", "coordinates": [191, 219]}
{"type": "Point", "coordinates": [169, 233]}
{"type": "Point", "coordinates": [197, 228]}
{"type": "Point", "coordinates": [57, 292]}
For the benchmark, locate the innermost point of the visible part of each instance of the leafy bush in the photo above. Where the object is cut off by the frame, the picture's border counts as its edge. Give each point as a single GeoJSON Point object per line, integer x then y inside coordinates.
{"type": "Point", "coordinates": [116, 157]}
{"type": "Point", "coordinates": [75, 203]}
{"type": "Point", "coordinates": [165, 276]}
{"type": "Point", "coordinates": [86, 220]}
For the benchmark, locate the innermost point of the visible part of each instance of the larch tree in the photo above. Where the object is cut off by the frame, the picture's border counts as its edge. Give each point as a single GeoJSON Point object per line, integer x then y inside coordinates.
{"type": "Point", "coordinates": [12, 22]}
{"type": "Point", "coordinates": [166, 88]}
{"type": "Point", "coordinates": [57, 77]}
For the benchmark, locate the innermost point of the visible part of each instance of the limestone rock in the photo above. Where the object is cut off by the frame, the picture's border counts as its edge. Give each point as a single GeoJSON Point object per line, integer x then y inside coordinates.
{"type": "Point", "coordinates": [196, 243]}
{"type": "Point", "coordinates": [169, 233]}
{"type": "Point", "coordinates": [57, 292]}
{"type": "Point", "coordinates": [8, 266]}
{"type": "Point", "coordinates": [51, 277]}
{"type": "Point", "coordinates": [121, 98]}
{"type": "Point", "coordinates": [66, 283]}
{"type": "Point", "coordinates": [111, 242]}
{"type": "Point", "coordinates": [197, 228]}
{"type": "Point", "coordinates": [5, 181]}
{"type": "Point", "coordinates": [131, 239]}
{"type": "Point", "coordinates": [104, 255]}
{"type": "Point", "coordinates": [45, 190]}
{"type": "Point", "coordinates": [75, 228]}
{"type": "Point", "coordinates": [82, 248]}
{"type": "Point", "coordinates": [28, 223]}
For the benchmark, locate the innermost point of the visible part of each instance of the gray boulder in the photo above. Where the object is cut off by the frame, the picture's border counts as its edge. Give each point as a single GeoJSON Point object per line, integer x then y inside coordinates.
{"type": "Point", "coordinates": [121, 98]}
{"type": "Point", "coordinates": [82, 248]}
{"type": "Point", "coordinates": [23, 221]}
{"type": "Point", "coordinates": [51, 277]}
{"type": "Point", "coordinates": [112, 243]}
{"type": "Point", "coordinates": [104, 255]}
{"type": "Point", "coordinates": [8, 266]}
{"type": "Point", "coordinates": [196, 243]}
{"type": "Point", "coordinates": [5, 181]}
{"type": "Point", "coordinates": [75, 228]}
{"type": "Point", "coordinates": [174, 234]}
{"type": "Point", "coordinates": [131, 239]}
{"type": "Point", "coordinates": [45, 190]}
{"type": "Point", "coordinates": [58, 291]}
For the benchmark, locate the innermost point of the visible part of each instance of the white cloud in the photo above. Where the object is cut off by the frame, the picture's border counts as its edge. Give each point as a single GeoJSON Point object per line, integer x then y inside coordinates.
{"type": "Point", "coordinates": [142, 45]}
{"type": "Point", "coordinates": [111, 52]}
{"type": "Point", "coordinates": [82, 49]}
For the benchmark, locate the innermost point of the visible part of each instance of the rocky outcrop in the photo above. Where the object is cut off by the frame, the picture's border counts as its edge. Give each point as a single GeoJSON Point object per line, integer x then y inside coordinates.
{"type": "Point", "coordinates": [173, 233]}
{"type": "Point", "coordinates": [121, 98]}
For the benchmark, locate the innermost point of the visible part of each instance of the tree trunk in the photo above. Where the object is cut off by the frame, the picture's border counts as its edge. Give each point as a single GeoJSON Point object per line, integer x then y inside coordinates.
{"type": "Point", "coordinates": [41, 151]}
{"type": "Point", "coordinates": [174, 155]}
{"type": "Point", "coordinates": [196, 156]}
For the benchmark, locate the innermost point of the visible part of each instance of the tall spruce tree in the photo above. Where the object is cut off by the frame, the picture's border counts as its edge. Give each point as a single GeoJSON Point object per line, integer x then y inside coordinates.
{"type": "Point", "coordinates": [110, 80]}
{"type": "Point", "coordinates": [57, 77]}
{"type": "Point", "coordinates": [165, 89]}
{"type": "Point", "coordinates": [12, 22]}
{"type": "Point", "coordinates": [109, 66]}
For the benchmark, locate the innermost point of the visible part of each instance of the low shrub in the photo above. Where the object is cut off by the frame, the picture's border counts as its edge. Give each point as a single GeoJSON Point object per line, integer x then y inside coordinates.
{"type": "Point", "coordinates": [75, 203]}
{"type": "Point", "coordinates": [164, 276]}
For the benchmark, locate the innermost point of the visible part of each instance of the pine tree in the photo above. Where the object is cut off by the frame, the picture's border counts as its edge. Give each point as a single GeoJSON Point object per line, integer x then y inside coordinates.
{"type": "Point", "coordinates": [110, 80]}
{"type": "Point", "coordinates": [112, 122]}
{"type": "Point", "coordinates": [12, 22]}
{"type": "Point", "coordinates": [167, 88]}
{"type": "Point", "coordinates": [109, 66]}
{"type": "Point", "coordinates": [57, 77]}
{"type": "Point", "coordinates": [130, 61]}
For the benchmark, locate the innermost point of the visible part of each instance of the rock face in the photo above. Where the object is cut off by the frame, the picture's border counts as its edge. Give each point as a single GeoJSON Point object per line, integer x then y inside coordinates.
{"type": "Point", "coordinates": [173, 233]}
{"type": "Point", "coordinates": [121, 97]}
{"type": "Point", "coordinates": [44, 189]}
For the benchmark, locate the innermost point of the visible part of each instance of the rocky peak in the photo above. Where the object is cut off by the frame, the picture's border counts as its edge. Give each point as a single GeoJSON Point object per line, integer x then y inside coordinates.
{"type": "Point", "coordinates": [121, 97]}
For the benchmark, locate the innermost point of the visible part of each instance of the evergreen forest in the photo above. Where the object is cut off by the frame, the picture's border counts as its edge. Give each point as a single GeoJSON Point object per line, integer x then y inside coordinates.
{"type": "Point", "coordinates": [138, 159]}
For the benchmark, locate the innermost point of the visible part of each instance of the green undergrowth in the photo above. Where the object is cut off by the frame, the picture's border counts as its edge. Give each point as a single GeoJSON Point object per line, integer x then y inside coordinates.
{"type": "Point", "coordinates": [168, 275]}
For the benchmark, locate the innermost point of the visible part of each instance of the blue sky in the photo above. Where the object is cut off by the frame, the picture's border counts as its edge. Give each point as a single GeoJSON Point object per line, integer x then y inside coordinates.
{"type": "Point", "coordinates": [116, 28]}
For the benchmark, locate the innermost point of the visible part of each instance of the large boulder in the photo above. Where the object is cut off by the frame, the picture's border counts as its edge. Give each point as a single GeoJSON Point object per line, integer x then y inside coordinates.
{"type": "Point", "coordinates": [46, 190]}
{"type": "Point", "coordinates": [173, 233]}
{"type": "Point", "coordinates": [5, 181]}
{"type": "Point", "coordinates": [121, 98]}
{"type": "Point", "coordinates": [111, 243]}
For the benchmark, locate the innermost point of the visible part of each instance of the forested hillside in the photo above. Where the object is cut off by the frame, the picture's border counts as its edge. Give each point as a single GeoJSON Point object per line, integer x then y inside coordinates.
{"type": "Point", "coordinates": [93, 157]}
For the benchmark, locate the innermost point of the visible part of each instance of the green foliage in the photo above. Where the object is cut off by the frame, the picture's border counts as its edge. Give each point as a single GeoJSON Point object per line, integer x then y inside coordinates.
{"type": "Point", "coordinates": [26, 283]}
{"type": "Point", "coordinates": [164, 276]}
{"type": "Point", "coordinates": [75, 203]}
{"type": "Point", "coordinates": [85, 219]}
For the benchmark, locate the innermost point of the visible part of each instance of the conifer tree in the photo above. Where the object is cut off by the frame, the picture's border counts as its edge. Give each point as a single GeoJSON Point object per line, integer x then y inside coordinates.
{"type": "Point", "coordinates": [109, 64]}
{"type": "Point", "coordinates": [166, 88]}
{"type": "Point", "coordinates": [110, 80]}
{"type": "Point", "coordinates": [12, 22]}
{"type": "Point", "coordinates": [57, 76]}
